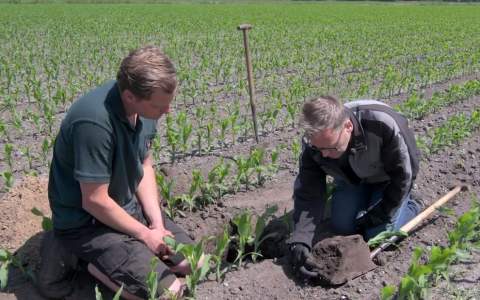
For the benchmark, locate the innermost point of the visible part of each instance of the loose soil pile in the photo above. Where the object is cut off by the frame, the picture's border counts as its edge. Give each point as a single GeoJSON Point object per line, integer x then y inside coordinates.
{"type": "Point", "coordinates": [341, 258]}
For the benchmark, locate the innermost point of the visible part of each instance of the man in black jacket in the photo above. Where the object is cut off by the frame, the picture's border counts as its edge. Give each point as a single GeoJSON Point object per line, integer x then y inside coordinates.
{"type": "Point", "coordinates": [371, 153]}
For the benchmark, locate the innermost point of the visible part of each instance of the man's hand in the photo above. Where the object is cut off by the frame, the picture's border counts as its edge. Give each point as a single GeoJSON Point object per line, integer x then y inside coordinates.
{"type": "Point", "coordinates": [301, 258]}
{"type": "Point", "coordinates": [372, 217]}
{"type": "Point", "coordinates": [153, 238]}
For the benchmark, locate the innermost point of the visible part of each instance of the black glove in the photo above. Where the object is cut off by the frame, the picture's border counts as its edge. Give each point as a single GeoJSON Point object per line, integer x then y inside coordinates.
{"type": "Point", "coordinates": [377, 215]}
{"type": "Point", "coordinates": [301, 258]}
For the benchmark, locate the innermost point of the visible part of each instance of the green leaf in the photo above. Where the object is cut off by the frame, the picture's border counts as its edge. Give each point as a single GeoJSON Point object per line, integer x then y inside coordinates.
{"type": "Point", "coordinates": [4, 275]}
{"type": "Point", "coordinates": [98, 295]}
{"type": "Point", "coordinates": [384, 236]}
{"type": "Point", "coordinates": [37, 212]}
{"type": "Point", "coordinates": [407, 286]}
{"type": "Point", "coordinates": [47, 224]}
{"type": "Point", "coordinates": [420, 270]}
{"type": "Point", "coordinates": [170, 241]}
{"type": "Point", "coordinates": [4, 255]}
{"type": "Point", "coordinates": [446, 211]}
{"type": "Point", "coordinates": [205, 267]}
{"type": "Point", "coordinates": [118, 293]}
{"type": "Point", "coordinates": [388, 292]}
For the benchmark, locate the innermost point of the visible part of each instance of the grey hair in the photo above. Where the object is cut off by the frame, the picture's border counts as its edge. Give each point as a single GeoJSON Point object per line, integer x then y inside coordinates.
{"type": "Point", "coordinates": [325, 112]}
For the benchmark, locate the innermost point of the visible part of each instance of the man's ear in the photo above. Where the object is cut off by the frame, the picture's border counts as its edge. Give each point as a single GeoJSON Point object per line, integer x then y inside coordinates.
{"type": "Point", "coordinates": [349, 125]}
{"type": "Point", "coordinates": [129, 96]}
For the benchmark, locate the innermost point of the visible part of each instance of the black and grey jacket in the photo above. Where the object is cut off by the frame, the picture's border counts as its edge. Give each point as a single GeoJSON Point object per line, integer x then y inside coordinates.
{"type": "Point", "coordinates": [382, 149]}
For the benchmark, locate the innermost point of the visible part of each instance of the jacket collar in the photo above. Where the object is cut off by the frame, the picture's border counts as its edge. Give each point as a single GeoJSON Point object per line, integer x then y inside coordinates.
{"type": "Point", "coordinates": [358, 139]}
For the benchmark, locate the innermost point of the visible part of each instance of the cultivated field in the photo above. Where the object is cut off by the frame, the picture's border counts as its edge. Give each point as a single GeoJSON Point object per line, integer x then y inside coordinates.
{"type": "Point", "coordinates": [422, 59]}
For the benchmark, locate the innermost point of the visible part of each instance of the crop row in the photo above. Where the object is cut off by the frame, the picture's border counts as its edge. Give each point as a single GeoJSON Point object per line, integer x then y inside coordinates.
{"type": "Point", "coordinates": [435, 265]}
{"type": "Point", "coordinates": [243, 237]}
{"type": "Point", "coordinates": [361, 57]}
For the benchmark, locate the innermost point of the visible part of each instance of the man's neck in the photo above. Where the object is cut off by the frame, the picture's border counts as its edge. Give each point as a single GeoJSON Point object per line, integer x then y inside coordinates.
{"type": "Point", "coordinates": [130, 114]}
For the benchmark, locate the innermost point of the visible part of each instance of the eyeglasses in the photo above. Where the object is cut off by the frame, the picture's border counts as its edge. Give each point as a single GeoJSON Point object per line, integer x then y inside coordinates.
{"type": "Point", "coordinates": [308, 141]}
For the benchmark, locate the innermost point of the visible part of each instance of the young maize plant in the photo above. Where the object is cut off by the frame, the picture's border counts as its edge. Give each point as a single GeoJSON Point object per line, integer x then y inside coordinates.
{"type": "Point", "coordinates": [209, 136]}
{"type": "Point", "coordinates": [221, 247]}
{"type": "Point", "coordinates": [223, 129]}
{"type": "Point", "coordinates": [8, 179]}
{"type": "Point", "coordinates": [199, 261]}
{"type": "Point", "coordinates": [463, 238]}
{"type": "Point", "coordinates": [152, 279]}
{"type": "Point", "coordinates": [247, 236]}
{"type": "Point", "coordinates": [259, 230]}
{"type": "Point", "coordinates": [296, 149]}
{"type": "Point", "coordinates": [216, 186]}
{"type": "Point", "coordinates": [8, 153]}
{"type": "Point", "coordinates": [8, 259]}
{"type": "Point", "coordinates": [99, 296]}
{"type": "Point", "coordinates": [243, 224]}
{"type": "Point", "coordinates": [255, 162]}
{"type": "Point", "coordinates": [172, 137]}
{"type": "Point", "coordinates": [47, 223]}
{"type": "Point", "coordinates": [166, 189]}
{"type": "Point", "coordinates": [185, 130]}
{"type": "Point", "coordinates": [243, 172]}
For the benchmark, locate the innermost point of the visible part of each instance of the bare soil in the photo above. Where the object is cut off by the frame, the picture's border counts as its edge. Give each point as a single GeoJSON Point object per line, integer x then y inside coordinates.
{"type": "Point", "coordinates": [21, 231]}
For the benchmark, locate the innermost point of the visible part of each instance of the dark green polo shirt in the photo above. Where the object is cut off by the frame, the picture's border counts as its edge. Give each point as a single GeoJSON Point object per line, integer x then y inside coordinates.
{"type": "Point", "coordinates": [97, 144]}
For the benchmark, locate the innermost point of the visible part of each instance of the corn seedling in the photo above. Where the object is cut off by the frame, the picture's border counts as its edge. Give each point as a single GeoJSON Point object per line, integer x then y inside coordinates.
{"type": "Point", "coordinates": [99, 296]}
{"type": "Point", "coordinates": [26, 152]}
{"type": "Point", "coordinates": [8, 179]}
{"type": "Point", "coordinates": [415, 284]}
{"type": "Point", "coordinates": [223, 128]}
{"type": "Point", "coordinates": [216, 185]}
{"type": "Point", "coordinates": [384, 236]}
{"type": "Point", "coordinates": [209, 136]}
{"type": "Point", "coordinates": [166, 193]}
{"type": "Point", "coordinates": [46, 144]}
{"type": "Point", "coordinates": [8, 152]}
{"type": "Point", "coordinates": [296, 148]}
{"type": "Point", "coordinates": [47, 224]}
{"type": "Point", "coordinates": [259, 230]}
{"type": "Point", "coordinates": [243, 172]}
{"type": "Point", "coordinates": [8, 259]}
{"type": "Point", "coordinates": [152, 279]}
{"type": "Point", "coordinates": [185, 130]}
{"type": "Point", "coordinates": [244, 228]}
{"type": "Point", "coordinates": [221, 246]}
{"type": "Point", "coordinates": [199, 261]}
{"type": "Point", "coordinates": [466, 234]}
{"type": "Point", "coordinates": [255, 162]}
{"type": "Point", "coordinates": [172, 137]}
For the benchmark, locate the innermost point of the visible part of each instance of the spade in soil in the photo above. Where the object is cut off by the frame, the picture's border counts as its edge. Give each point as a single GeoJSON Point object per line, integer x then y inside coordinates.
{"type": "Point", "coordinates": [337, 259]}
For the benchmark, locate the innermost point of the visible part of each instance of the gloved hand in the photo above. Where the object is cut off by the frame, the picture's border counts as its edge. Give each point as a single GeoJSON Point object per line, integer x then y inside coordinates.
{"type": "Point", "coordinates": [301, 260]}
{"type": "Point", "coordinates": [372, 217]}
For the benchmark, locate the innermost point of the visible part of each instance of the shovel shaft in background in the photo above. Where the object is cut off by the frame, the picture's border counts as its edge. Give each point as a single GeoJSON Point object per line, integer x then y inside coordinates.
{"type": "Point", "coordinates": [251, 88]}
{"type": "Point", "coordinates": [419, 218]}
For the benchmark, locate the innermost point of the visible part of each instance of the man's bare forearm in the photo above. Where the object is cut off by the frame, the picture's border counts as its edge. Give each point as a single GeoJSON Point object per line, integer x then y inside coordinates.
{"type": "Point", "coordinates": [147, 195]}
{"type": "Point", "coordinates": [107, 211]}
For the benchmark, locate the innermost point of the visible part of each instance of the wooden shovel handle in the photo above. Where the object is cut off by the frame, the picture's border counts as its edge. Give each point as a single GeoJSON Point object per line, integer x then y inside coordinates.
{"type": "Point", "coordinates": [419, 218]}
{"type": "Point", "coordinates": [424, 214]}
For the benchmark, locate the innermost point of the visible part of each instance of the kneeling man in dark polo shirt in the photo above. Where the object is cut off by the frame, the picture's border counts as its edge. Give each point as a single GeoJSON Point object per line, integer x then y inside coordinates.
{"type": "Point", "coordinates": [102, 187]}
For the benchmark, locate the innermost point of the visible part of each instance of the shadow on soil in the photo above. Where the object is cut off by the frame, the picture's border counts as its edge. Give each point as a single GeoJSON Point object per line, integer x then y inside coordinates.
{"type": "Point", "coordinates": [22, 287]}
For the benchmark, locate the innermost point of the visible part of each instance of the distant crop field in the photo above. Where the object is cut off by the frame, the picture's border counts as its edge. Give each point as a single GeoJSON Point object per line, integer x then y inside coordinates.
{"type": "Point", "coordinates": [52, 53]}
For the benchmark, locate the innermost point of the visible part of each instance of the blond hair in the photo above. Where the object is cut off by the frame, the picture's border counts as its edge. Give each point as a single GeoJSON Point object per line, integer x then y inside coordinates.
{"type": "Point", "coordinates": [146, 69]}
{"type": "Point", "coordinates": [325, 112]}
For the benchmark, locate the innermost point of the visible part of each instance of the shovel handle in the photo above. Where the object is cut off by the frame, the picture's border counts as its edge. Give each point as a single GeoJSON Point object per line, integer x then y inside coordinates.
{"type": "Point", "coordinates": [424, 214]}
{"type": "Point", "coordinates": [419, 218]}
